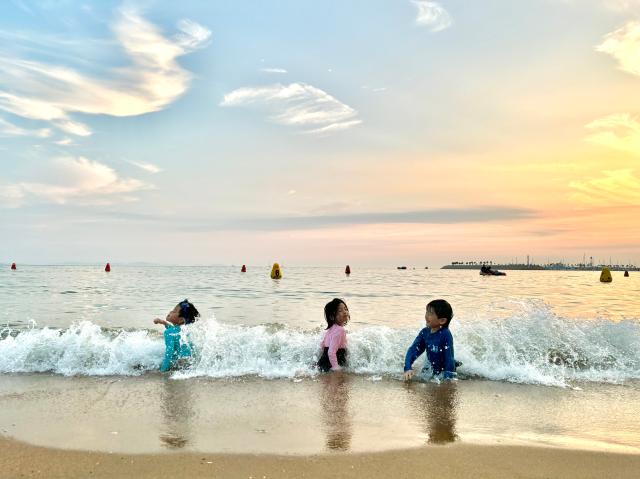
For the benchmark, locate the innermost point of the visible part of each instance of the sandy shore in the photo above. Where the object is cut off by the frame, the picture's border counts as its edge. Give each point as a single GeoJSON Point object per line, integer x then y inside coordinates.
{"type": "Point", "coordinates": [459, 461]}
{"type": "Point", "coordinates": [330, 426]}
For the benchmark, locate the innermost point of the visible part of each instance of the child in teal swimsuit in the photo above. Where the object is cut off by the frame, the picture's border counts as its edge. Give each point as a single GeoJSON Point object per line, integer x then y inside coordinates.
{"type": "Point", "coordinates": [176, 346]}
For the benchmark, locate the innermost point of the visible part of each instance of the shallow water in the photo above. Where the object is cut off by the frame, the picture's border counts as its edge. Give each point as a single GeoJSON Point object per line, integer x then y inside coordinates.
{"type": "Point", "coordinates": [330, 413]}
{"type": "Point", "coordinates": [131, 296]}
{"type": "Point", "coordinates": [535, 327]}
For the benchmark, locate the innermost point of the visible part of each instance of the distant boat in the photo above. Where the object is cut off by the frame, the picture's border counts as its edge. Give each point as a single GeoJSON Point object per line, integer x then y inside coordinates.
{"type": "Point", "coordinates": [402, 267]}
{"type": "Point", "coordinates": [487, 271]}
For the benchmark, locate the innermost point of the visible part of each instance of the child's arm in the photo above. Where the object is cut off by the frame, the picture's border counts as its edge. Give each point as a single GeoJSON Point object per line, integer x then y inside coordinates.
{"type": "Point", "coordinates": [449, 371]}
{"type": "Point", "coordinates": [415, 350]}
{"type": "Point", "coordinates": [334, 343]}
{"type": "Point", "coordinates": [161, 321]}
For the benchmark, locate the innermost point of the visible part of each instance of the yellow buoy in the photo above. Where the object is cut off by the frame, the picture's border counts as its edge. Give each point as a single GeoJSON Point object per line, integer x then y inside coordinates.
{"type": "Point", "coordinates": [276, 272]}
{"type": "Point", "coordinates": [605, 276]}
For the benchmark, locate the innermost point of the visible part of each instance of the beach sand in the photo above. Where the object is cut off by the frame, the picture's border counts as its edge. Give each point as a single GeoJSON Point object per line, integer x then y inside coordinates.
{"type": "Point", "coordinates": [336, 425]}
{"type": "Point", "coordinates": [459, 461]}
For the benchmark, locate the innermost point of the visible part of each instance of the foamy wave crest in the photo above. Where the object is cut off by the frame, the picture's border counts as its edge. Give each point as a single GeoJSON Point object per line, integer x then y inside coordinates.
{"type": "Point", "coordinates": [533, 346]}
{"type": "Point", "coordinates": [84, 349]}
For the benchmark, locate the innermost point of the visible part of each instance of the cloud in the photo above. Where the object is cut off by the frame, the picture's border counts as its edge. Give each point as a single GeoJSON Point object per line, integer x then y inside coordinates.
{"type": "Point", "coordinates": [193, 35]}
{"type": "Point", "coordinates": [273, 70]}
{"type": "Point", "coordinates": [64, 142]}
{"type": "Point", "coordinates": [616, 187]}
{"type": "Point", "coordinates": [297, 104]}
{"type": "Point", "coordinates": [433, 216]}
{"type": "Point", "coordinates": [9, 129]}
{"type": "Point", "coordinates": [148, 167]}
{"type": "Point", "coordinates": [624, 45]}
{"type": "Point", "coordinates": [153, 79]}
{"type": "Point", "coordinates": [620, 132]}
{"type": "Point", "coordinates": [76, 179]}
{"type": "Point", "coordinates": [432, 15]}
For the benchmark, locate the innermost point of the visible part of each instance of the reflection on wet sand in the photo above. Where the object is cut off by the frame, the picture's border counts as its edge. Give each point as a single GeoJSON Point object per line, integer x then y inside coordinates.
{"type": "Point", "coordinates": [437, 406]}
{"type": "Point", "coordinates": [176, 401]}
{"type": "Point", "coordinates": [336, 418]}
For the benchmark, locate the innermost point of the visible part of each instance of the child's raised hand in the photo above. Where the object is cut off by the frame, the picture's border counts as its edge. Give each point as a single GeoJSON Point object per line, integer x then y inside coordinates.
{"type": "Point", "coordinates": [157, 321]}
{"type": "Point", "coordinates": [408, 374]}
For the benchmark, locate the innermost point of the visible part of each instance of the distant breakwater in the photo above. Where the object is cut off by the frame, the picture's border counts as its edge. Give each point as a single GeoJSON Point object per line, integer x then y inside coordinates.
{"type": "Point", "coordinates": [538, 267]}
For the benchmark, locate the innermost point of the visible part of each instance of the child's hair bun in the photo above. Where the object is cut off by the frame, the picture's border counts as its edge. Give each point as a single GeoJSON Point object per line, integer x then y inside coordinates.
{"type": "Point", "coordinates": [188, 311]}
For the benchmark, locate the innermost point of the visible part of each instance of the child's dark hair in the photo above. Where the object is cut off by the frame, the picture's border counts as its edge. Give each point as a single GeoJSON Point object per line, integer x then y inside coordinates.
{"type": "Point", "coordinates": [442, 309]}
{"type": "Point", "coordinates": [331, 310]}
{"type": "Point", "coordinates": [188, 311]}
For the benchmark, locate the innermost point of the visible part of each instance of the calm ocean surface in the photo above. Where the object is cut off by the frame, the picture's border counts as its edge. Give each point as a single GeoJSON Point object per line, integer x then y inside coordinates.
{"type": "Point", "coordinates": [538, 327]}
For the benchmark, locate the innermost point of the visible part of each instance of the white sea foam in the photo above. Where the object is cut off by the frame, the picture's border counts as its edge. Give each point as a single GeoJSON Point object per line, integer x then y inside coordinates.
{"type": "Point", "coordinates": [532, 346]}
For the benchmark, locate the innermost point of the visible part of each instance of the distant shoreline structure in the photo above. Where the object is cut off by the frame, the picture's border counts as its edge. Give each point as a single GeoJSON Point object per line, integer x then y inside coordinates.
{"type": "Point", "coordinates": [539, 267]}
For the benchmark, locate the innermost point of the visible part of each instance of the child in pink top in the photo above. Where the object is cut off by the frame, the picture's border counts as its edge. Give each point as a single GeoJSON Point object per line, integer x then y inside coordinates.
{"type": "Point", "coordinates": [334, 343]}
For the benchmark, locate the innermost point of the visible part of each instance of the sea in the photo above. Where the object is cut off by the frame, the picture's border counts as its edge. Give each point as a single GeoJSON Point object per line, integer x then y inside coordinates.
{"type": "Point", "coordinates": [557, 345]}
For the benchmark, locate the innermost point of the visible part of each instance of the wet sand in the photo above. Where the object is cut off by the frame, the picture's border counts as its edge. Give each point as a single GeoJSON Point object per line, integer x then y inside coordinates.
{"type": "Point", "coordinates": [335, 425]}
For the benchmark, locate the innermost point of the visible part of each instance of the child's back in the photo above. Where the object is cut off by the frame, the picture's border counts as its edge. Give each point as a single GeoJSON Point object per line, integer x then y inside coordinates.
{"type": "Point", "coordinates": [176, 347]}
{"type": "Point", "coordinates": [334, 349]}
{"type": "Point", "coordinates": [334, 342]}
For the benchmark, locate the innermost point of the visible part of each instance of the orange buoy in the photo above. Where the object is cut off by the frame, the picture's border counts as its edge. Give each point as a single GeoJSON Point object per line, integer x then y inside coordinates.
{"type": "Point", "coordinates": [107, 268]}
{"type": "Point", "coordinates": [244, 269]}
{"type": "Point", "coordinates": [347, 270]}
{"type": "Point", "coordinates": [13, 266]}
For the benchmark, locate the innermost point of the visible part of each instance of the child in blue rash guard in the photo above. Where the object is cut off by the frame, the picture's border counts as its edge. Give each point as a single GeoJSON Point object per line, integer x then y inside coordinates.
{"type": "Point", "coordinates": [437, 340]}
{"type": "Point", "coordinates": [177, 347]}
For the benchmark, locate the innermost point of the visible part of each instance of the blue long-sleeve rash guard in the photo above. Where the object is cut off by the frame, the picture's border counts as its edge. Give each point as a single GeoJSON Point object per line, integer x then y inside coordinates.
{"type": "Point", "coordinates": [439, 347]}
{"type": "Point", "coordinates": [174, 347]}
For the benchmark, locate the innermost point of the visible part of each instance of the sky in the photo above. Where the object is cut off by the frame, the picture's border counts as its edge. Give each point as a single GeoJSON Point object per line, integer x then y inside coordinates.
{"type": "Point", "coordinates": [362, 132]}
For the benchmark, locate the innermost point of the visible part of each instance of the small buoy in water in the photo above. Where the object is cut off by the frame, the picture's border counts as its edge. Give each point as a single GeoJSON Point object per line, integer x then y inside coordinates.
{"type": "Point", "coordinates": [243, 269]}
{"type": "Point", "coordinates": [276, 272]}
{"type": "Point", "coordinates": [626, 274]}
{"type": "Point", "coordinates": [107, 268]}
{"type": "Point", "coordinates": [13, 266]}
{"type": "Point", "coordinates": [347, 270]}
{"type": "Point", "coordinates": [605, 276]}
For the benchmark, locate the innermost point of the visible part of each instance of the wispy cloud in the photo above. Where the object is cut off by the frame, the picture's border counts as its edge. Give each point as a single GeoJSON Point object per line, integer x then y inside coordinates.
{"type": "Point", "coordinates": [9, 129]}
{"type": "Point", "coordinates": [193, 35]}
{"type": "Point", "coordinates": [620, 131]}
{"type": "Point", "coordinates": [624, 45]}
{"type": "Point", "coordinates": [433, 216]}
{"type": "Point", "coordinates": [297, 104]}
{"type": "Point", "coordinates": [42, 91]}
{"type": "Point", "coordinates": [616, 187]}
{"type": "Point", "coordinates": [432, 15]}
{"type": "Point", "coordinates": [273, 70]}
{"type": "Point", "coordinates": [148, 167]}
{"type": "Point", "coordinates": [80, 180]}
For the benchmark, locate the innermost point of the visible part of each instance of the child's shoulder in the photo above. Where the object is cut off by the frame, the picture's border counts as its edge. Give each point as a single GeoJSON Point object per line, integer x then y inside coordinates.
{"type": "Point", "coordinates": [446, 333]}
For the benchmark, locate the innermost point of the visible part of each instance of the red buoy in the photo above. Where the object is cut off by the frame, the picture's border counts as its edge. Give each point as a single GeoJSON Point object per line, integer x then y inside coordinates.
{"type": "Point", "coordinates": [244, 269]}
{"type": "Point", "coordinates": [13, 266]}
{"type": "Point", "coordinates": [107, 268]}
{"type": "Point", "coordinates": [347, 270]}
